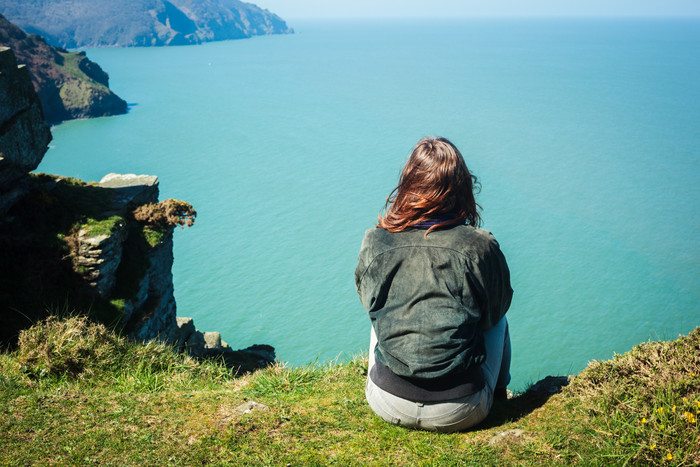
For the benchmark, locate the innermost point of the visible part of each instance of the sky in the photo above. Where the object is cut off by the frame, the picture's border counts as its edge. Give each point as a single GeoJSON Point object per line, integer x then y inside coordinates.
{"type": "Point", "coordinates": [299, 9]}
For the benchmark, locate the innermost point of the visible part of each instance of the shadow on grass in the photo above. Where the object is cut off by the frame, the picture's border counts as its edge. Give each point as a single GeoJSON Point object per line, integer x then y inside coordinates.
{"type": "Point", "coordinates": [520, 405]}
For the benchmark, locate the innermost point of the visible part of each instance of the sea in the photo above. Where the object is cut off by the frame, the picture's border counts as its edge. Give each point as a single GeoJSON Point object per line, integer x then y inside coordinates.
{"type": "Point", "coordinates": [584, 134]}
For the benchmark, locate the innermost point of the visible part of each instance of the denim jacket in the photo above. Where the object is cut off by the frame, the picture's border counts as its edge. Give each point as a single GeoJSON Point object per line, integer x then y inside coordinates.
{"type": "Point", "coordinates": [430, 298]}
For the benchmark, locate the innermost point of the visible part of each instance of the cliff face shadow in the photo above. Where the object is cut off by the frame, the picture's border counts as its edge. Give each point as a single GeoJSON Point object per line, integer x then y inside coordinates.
{"type": "Point", "coordinates": [520, 405]}
{"type": "Point", "coordinates": [38, 244]}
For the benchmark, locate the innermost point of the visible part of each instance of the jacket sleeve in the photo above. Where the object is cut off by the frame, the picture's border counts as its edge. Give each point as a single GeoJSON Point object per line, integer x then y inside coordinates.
{"type": "Point", "coordinates": [361, 262]}
{"type": "Point", "coordinates": [489, 281]}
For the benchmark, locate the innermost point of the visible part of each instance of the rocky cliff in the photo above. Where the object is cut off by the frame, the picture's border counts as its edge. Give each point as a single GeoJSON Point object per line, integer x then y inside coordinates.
{"type": "Point", "coordinates": [106, 23]}
{"type": "Point", "coordinates": [102, 249]}
{"type": "Point", "coordinates": [24, 137]}
{"type": "Point", "coordinates": [68, 83]}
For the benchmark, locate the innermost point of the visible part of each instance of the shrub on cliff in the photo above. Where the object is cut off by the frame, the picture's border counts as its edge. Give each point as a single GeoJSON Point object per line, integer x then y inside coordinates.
{"type": "Point", "coordinates": [167, 213]}
{"type": "Point", "coordinates": [68, 347]}
{"type": "Point", "coordinates": [157, 218]}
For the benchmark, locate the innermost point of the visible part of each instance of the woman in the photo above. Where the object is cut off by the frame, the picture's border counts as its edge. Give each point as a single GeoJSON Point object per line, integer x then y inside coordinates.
{"type": "Point", "coordinates": [436, 289]}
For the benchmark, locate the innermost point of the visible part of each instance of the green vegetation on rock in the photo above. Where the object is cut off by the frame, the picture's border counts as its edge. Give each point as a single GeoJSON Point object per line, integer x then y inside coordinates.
{"type": "Point", "coordinates": [96, 227]}
{"type": "Point", "coordinates": [71, 64]}
{"type": "Point", "coordinates": [153, 237]}
{"type": "Point", "coordinates": [109, 401]}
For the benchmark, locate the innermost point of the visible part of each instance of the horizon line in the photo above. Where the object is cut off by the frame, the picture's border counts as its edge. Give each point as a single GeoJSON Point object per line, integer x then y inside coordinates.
{"type": "Point", "coordinates": [494, 16]}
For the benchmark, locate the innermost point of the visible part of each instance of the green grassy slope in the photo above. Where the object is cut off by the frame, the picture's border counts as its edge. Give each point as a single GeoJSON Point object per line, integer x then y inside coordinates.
{"type": "Point", "coordinates": [75, 394]}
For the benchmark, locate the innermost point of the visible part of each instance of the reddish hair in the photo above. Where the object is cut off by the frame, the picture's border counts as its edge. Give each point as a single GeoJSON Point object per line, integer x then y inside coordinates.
{"type": "Point", "coordinates": [434, 184]}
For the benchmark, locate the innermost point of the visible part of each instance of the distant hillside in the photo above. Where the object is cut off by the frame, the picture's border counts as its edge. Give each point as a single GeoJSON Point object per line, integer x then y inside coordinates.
{"type": "Point", "coordinates": [125, 23]}
{"type": "Point", "coordinates": [69, 85]}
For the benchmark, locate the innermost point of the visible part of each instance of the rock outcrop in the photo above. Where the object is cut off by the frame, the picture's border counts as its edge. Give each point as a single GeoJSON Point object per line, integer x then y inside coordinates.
{"type": "Point", "coordinates": [69, 85]}
{"type": "Point", "coordinates": [210, 345]}
{"type": "Point", "coordinates": [67, 246]}
{"type": "Point", "coordinates": [24, 136]}
{"type": "Point", "coordinates": [106, 23]}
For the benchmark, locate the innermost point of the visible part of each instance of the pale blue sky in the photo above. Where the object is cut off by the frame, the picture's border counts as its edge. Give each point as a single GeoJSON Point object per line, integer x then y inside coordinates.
{"type": "Point", "coordinates": [296, 9]}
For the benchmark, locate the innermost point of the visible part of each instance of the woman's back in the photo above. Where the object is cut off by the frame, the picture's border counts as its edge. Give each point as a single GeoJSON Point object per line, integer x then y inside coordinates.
{"type": "Point", "coordinates": [427, 299]}
{"type": "Point", "coordinates": [436, 289]}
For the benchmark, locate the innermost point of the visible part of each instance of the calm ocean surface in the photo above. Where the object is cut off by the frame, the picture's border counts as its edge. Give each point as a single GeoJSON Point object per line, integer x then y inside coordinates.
{"type": "Point", "coordinates": [585, 135]}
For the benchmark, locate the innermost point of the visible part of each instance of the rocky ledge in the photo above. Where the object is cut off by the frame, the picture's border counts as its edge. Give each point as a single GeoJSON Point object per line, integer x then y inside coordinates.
{"type": "Point", "coordinates": [149, 310]}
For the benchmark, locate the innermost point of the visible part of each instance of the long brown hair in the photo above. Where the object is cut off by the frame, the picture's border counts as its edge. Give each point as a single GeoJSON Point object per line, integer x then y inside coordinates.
{"type": "Point", "coordinates": [435, 183]}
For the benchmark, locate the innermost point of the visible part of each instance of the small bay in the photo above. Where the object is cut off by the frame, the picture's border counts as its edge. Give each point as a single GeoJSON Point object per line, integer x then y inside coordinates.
{"type": "Point", "coordinates": [585, 135]}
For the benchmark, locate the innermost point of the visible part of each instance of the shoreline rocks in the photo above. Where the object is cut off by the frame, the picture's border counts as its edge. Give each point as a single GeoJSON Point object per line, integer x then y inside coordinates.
{"type": "Point", "coordinates": [208, 344]}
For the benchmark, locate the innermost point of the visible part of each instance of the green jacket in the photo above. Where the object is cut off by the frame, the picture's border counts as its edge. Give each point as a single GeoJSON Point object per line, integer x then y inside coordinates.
{"type": "Point", "coordinates": [430, 298]}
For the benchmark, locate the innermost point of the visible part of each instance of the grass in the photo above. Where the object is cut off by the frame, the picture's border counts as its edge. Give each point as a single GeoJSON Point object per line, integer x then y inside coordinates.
{"type": "Point", "coordinates": [153, 237]}
{"type": "Point", "coordinates": [659, 422]}
{"type": "Point", "coordinates": [73, 393]}
{"type": "Point", "coordinates": [106, 226]}
{"type": "Point", "coordinates": [71, 66]}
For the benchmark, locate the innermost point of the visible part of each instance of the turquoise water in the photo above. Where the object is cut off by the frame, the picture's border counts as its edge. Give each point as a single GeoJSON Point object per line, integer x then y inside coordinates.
{"type": "Point", "coordinates": [584, 133]}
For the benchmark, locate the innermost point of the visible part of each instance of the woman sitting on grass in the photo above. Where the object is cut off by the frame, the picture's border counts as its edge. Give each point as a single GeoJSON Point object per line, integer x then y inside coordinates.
{"type": "Point", "coordinates": [436, 289]}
